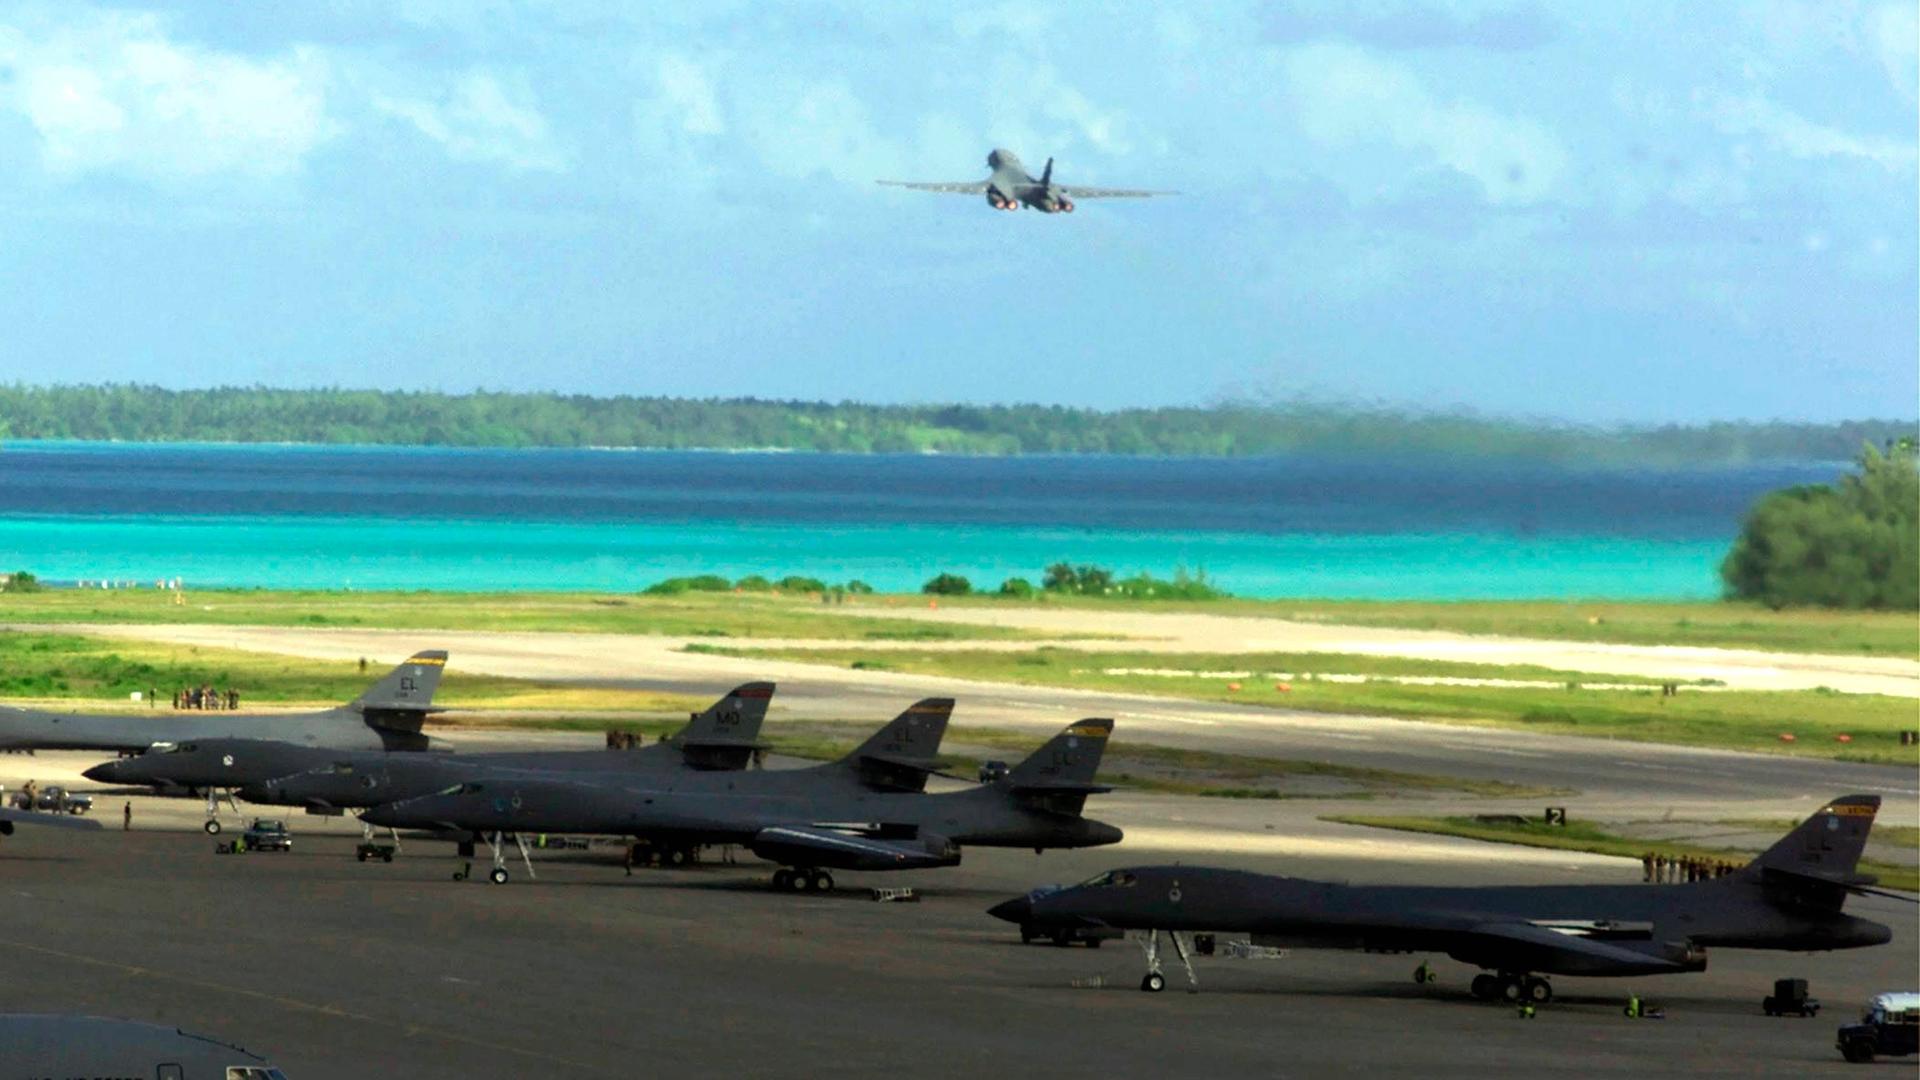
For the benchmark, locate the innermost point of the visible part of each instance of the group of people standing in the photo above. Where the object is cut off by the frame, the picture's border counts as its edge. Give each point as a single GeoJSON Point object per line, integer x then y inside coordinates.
{"type": "Point", "coordinates": [206, 697]}
{"type": "Point", "coordinates": [1680, 869]}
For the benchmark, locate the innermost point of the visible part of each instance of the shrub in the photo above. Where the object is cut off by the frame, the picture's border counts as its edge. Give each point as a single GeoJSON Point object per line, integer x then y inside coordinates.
{"type": "Point", "coordinates": [753, 583]}
{"type": "Point", "coordinates": [1017, 587]}
{"type": "Point", "coordinates": [856, 587]}
{"type": "Point", "coordinates": [796, 583]}
{"type": "Point", "coordinates": [947, 585]}
{"type": "Point", "coordinates": [21, 581]}
{"type": "Point", "coordinates": [1851, 545]}
{"type": "Point", "coordinates": [677, 585]}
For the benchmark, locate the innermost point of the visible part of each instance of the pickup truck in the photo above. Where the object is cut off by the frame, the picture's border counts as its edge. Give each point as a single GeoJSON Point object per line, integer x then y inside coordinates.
{"type": "Point", "coordinates": [266, 834]}
{"type": "Point", "coordinates": [1891, 1026]}
{"type": "Point", "coordinates": [55, 799]}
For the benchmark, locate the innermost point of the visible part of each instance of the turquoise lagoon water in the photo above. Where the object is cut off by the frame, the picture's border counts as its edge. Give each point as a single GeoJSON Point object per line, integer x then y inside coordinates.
{"type": "Point", "coordinates": [372, 518]}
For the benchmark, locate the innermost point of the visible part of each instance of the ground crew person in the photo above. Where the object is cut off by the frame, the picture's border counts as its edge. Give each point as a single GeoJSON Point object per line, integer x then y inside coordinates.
{"type": "Point", "coordinates": [1424, 974]}
{"type": "Point", "coordinates": [1633, 1006]}
{"type": "Point", "coordinates": [629, 860]}
{"type": "Point", "coordinates": [1646, 864]}
{"type": "Point", "coordinates": [126, 816]}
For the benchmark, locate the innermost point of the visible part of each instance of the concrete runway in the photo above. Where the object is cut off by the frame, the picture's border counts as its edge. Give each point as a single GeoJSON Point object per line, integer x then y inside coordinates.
{"type": "Point", "coordinates": [1609, 777]}
{"type": "Point", "coordinates": [337, 969]}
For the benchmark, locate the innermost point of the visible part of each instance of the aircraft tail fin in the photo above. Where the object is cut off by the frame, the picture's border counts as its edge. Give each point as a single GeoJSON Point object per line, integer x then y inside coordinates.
{"type": "Point", "coordinates": [899, 756]}
{"type": "Point", "coordinates": [1818, 862]}
{"type": "Point", "coordinates": [1060, 775]}
{"type": "Point", "coordinates": [1046, 174]}
{"type": "Point", "coordinates": [405, 691]}
{"type": "Point", "coordinates": [728, 732]}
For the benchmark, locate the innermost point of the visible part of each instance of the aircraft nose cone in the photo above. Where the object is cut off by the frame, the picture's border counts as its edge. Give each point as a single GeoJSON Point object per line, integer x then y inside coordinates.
{"type": "Point", "coordinates": [1017, 910]}
{"type": "Point", "coordinates": [106, 772]}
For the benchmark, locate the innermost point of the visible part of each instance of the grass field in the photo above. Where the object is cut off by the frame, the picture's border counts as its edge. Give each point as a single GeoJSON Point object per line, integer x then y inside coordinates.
{"type": "Point", "coordinates": [1582, 836]}
{"type": "Point", "coordinates": [763, 615]}
{"type": "Point", "coordinates": [1697, 716]}
{"type": "Point", "coordinates": [714, 615]}
{"type": "Point", "coordinates": [1704, 623]}
{"type": "Point", "coordinates": [69, 667]}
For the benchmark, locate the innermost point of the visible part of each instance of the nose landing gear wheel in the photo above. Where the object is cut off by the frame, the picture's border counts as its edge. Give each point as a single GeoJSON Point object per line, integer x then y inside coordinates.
{"type": "Point", "coordinates": [498, 876]}
{"type": "Point", "coordinates": [1154, 982]}
{"type": "Point", "coordinates": [212, 827]}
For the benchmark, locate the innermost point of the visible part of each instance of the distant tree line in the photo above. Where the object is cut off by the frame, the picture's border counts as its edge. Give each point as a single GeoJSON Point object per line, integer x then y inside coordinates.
{"type": "Point", "coordinates": [131, 413]}
{"type": "Point", "coordinates": [1853, 544]}
{"type": "Point", "coordinates": [1065, 579]}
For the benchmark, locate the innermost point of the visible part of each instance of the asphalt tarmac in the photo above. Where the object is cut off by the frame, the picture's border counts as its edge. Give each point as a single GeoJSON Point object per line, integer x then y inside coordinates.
{"type": "Point", "coordinates": [336, 968]}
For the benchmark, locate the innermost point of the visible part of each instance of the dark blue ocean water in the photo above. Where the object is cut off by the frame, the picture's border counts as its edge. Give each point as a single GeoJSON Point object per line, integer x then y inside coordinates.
{"type": "Point", "coordinates": [447, 519]}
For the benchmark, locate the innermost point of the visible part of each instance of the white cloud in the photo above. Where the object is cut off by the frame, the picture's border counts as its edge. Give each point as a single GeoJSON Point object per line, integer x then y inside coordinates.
{"type": "Point", "coordinates": [112, 91]}
{"type": "Point", "coordinates": [477, 119]}
{"type": "Point", "coordinates": [1797, 136]}
{"type": "Point", "coordinates": [1895, 32]}
{"type": "Point", "coordinates": [687, 97]}
{"type": "Point", "coordinates": [1345, 97]}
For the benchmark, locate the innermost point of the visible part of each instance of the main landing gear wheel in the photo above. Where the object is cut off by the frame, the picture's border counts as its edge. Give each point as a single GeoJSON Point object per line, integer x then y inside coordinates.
{"type": "Point", "coordinates": [498, 875]}
{"type": "Point", "coordinates": [212, 827]}
{"type": "Point", "coordinates": [819, 881]}
{"type": "Point", "coordinates": [1485, 987]}
{"type": "Point", "coordinates": [783, 879]}
{"type": "Point", "coordinates": [1154, 982]}
{"type": "Point", "coordinates": [1536, 990]}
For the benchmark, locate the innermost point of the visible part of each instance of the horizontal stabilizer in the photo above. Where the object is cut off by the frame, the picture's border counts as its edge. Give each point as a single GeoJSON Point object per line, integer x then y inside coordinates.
{"type": "Point", "coordinates": [9, 817]}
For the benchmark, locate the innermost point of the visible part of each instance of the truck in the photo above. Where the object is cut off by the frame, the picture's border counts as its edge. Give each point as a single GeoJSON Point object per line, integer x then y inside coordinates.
{"type": "Point", "coordinates": [1890, 1026]}
{"type": "Point", "coordinates": [54, 799]}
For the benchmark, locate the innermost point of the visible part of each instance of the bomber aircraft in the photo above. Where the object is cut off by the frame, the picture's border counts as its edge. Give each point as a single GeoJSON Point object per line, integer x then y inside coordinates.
{"type": "Point", "coordinates": [92, 1046]}
{"type": "Point", "coordinates": [387, 717]}
{"type": "Point", "coordinates": [1010, 186]}
{"type": "Point", "coordinates": [808, 820]}
{"type": "Point", "coordinates": [886, 762]}
{"type": "Point", "coordinates": [1790, 897]}
{"type": "Point", "coordinates": [722, 737]}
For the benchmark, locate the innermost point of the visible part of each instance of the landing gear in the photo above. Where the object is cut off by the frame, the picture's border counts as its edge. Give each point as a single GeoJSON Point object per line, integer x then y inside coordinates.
{"type": "Point", "coordinates": [802, 880]}
{"type": "Point", "coordinates": [1154, 981]}
{"type": "Point", "coordinates": [212, 825]}
{"type": "Point", "coordinates": [1512, 988]}
{"type": "Point", "coordinates": [495, 844]}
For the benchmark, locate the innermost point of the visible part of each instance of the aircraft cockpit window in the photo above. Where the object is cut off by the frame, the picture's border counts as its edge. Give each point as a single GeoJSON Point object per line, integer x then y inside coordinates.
{"type": "Point", "coordinates": [182, 748]}
{"type": "Point", "coordinates": [342, 768]}
{"type": "Point", "coordinates": [1110, 879]}
{"type": "Point", "coordinates": [465, 789]}
{"type": "Point", "coordinates": [253, 1072]}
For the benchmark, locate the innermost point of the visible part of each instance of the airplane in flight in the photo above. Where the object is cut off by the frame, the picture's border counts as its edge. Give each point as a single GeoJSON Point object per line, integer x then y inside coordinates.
{"type": "Point", "coordinates": [34, 1045]}
{"type": "Point", "coordinates": [1789, 898]}
{"type": "Point", "coordinates": [387, 717]}
{"type": "Point", "coordinates": [723, 737]}
{"type": "Point", "coordinates": [1010, 186]}
{"type": "Point", "coordinates": [809, 821]}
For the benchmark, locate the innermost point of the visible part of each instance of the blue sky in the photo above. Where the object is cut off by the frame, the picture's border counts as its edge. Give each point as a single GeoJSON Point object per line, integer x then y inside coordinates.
{"type": "Point", "coordinates": [1639, 211]}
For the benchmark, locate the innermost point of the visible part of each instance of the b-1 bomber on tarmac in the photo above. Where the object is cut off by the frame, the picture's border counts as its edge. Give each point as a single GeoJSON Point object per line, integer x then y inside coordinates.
{"type": "Point", "coordinates": [1789, 898]}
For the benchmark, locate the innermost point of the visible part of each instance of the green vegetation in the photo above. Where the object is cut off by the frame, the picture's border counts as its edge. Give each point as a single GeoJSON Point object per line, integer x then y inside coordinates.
{"type": "Point", "coordinates": [947, 585]}
{"type": "Point", "coordinates": [1581, 836]}
{"type": "Point", "coordinates": [1065, 579]}
{"type": "Point", "coordinates": [1855, 544]}
{"type": "Point", "coordinates": [70, 667]}
{"type": "Point", "coordinates": [257, 414]}
{"type": "Point", "coordinates": [1569, 705]}
{"type": "Point", "coordinates": [20, 581]}
{"type": "Point", "coordinates": [703, 614]}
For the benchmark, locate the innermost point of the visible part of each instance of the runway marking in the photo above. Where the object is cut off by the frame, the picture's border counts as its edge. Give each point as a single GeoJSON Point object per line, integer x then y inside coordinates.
{"type": "Point", "coordinates": [408, 1030]}
{"type": "Point", "coordinates": [1347, 735]}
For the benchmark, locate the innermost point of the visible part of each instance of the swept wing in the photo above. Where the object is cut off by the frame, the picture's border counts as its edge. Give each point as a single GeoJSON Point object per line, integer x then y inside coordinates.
{"type": "Point", "coordinates": [976, 187]}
